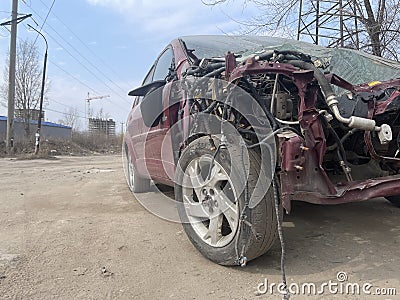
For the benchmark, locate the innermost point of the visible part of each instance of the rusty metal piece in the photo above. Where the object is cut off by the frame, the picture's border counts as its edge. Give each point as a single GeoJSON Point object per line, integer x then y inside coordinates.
{"type": "Point", "coordinates": [230, 64]}
{"type": "Point", "coordinates": [355, 191]}
{"type": "Point", "coordinates": [303, 148]}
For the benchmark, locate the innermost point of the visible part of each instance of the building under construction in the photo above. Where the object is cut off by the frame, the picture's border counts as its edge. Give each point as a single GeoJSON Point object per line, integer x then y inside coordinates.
{"type": "Point", "coordinates": [102, 126]}
{"type": "Point", "coordinates": [30, 114]}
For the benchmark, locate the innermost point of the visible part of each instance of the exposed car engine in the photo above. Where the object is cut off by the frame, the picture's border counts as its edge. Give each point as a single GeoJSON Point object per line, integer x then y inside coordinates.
{"type": "Point", "coordinates": [349, 120]}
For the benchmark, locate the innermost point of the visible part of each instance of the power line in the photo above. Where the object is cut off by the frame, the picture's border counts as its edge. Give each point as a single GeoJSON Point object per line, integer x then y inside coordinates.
{"type": "Point", "coordinates": [62, 69]}
{"type": "Point", "coordinates": [6, 30]}
{"type": "Point", "coordinates": [65, 105]}
{"type": "Point", "coordinates": [100, 80]}
{"type": "Point", "coordinates": [64, 113]}
{"type": "Point", "coordinates": [74, 77]}
{"type": "Point", "coordinates": [84, 66]}
{"type": "Point", "coordinates": [45, 19]}
{"type": "Point", "coordinates": [84, 44]}
{"type": "Point", "coordinates": [30, 2]}
{"type": "Point", "coordinates": [79, 53]}
{"type": "Point", "coordinates": [83, 83]}
{"type": "Point", "coordinates": [65, 71]}
{"type": "Point", "coordinates": [55, 64]}
{"type": "Point", "coordinates": [87, 60]}
{"type": "Point", "coordinates": [70, 75]}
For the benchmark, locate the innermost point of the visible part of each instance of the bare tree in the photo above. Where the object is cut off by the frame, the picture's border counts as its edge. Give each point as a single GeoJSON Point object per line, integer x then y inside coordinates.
{"type": "Point", "coordinates": [28, 82]}
{"type": "Point", "coordinates": [71, 118]}
{"type": "Point", "coordinates": [379, 29]}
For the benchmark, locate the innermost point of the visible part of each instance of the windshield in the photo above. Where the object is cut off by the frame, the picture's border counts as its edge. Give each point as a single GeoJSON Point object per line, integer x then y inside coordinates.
{"type": "Point", "coordinates": [354, 66]}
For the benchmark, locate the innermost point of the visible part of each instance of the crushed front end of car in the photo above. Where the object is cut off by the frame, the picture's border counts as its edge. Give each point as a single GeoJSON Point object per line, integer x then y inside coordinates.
{"type": "Point", "coordinates": [339, 111]}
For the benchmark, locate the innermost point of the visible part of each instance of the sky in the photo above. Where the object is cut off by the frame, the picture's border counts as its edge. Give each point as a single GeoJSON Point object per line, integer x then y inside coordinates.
{"type": "Point", "coordinates": [105, 47]}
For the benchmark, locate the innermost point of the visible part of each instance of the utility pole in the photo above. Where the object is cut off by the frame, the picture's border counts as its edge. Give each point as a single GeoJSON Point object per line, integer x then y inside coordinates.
{"type": "Point", "coordinates": [11, 78]}
{"type": "Point", "coordinates": [37, 144]}
{"type": "Point", "coordinates": [122, 128]}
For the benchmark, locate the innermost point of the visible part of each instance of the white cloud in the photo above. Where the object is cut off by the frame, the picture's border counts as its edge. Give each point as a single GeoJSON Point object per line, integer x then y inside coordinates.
{"type": "Point", "coordinates": [177, 17]}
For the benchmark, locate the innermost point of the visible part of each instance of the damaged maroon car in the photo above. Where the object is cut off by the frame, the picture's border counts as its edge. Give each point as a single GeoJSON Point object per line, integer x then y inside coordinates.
{"type": "Point", "coordinates": [242, 126]}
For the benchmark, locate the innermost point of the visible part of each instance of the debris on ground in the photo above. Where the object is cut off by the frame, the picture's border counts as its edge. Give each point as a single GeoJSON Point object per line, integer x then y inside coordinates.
{"type": "Point", "coordinates": [80, 271]}
{"type": "Point", "coordinates": [105, 272]}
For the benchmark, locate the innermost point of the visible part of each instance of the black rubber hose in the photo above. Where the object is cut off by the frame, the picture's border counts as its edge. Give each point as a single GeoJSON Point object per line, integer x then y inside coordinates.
{"type": "Point", "coordinates": [211, 107]}
{"type": "Point", "coordinates": [340, 150]}
{"type": "Point", "coordinates": [196, 104]}
{"type": "Point", "coordinates": [289, 54]}
{"type": "Point", "coordinates": [398, 141]}
{"type": "Point", "coordinates": [266, 55]}
{"type": "Point", "coordinates": [323, 82]}
{"type": "Point", "coordinates": [215, 72]}
{"type": "Point", "coordinates": [209, 68]}
{"type": "Point", "coordinates": [347, 135]}
{"type": "Point", "coordinates": [215, 66]}
{"type": "Point", "coordinates": [332, 147]}
{"type": "Point", "coordinates": [344, 138]}
{"type": "Point", "coordinates": [193, 71]}
{"type": "Point", "coordinates": [256, 95]}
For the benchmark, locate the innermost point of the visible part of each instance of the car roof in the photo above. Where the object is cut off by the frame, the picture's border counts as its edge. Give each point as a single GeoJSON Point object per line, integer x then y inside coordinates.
{"type": "Point", "coordinates": [354, 66]}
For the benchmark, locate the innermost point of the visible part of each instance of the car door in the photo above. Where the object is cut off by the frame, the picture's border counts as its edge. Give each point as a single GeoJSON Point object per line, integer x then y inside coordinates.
{"type": "Point", "coordinates": [158, 147]}
{"type": "Point", "coordinates": [137, 132]}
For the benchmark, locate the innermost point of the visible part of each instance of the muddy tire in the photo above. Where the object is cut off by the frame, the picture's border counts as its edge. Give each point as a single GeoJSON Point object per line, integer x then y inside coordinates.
{"type": "Point", "coordinates": [136, 183]}
{"type": "Point", "coordinates": [213, 205]}
{"type": "Point", "coordinates": [395, 200]}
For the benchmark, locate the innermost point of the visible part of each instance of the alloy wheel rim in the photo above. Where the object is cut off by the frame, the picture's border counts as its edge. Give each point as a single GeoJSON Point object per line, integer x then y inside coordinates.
{"type": "Point", "coordinates": [210, 202]}
{"type": "Point", "coordinates": [131, 177]}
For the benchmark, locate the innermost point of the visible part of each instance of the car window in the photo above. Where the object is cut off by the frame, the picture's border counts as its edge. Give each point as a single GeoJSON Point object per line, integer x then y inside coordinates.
{"type": "Point", "coordinates": [147, 79]}
{"type": "Point", "coordinates": [159, 71]}
{"type": "Point", "coordinates": [135, 101]}
{"type": "Point", "coordinates": [149, 76]}
{"type": "Point", "coordinates": [164, 63]}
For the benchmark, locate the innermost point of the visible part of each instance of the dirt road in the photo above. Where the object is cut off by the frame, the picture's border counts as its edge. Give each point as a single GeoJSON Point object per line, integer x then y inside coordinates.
{"type": "Point", "coordinates": [70, 229]}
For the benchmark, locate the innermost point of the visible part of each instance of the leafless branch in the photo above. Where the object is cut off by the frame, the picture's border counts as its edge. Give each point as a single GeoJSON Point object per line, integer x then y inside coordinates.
{"type": "Point", "coordinates": [28, 81]}
{"type": "Point", "coordinates": [376, 22]}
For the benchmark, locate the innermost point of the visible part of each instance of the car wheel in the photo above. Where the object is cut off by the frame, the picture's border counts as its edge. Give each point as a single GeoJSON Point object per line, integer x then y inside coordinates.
{"type": "Point", "coordinates": [395, 200]}
{"type": "Point", "coordinates": [212, 208]}
{"type": "Point", "coordinates": [136, 183]}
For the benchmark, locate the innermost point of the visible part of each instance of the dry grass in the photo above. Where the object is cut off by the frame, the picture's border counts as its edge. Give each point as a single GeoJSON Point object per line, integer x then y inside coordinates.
{"type": "Point", "coordinates": [80, 145]}
{"type": "Point", "coordinates": [99, 143]}
{"type": "Point", "coordinates": [40, 155]}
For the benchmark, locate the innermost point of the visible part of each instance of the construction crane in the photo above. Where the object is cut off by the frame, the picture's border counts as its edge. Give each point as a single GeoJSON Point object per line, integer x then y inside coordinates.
{"type": "Point", "coordinates": [88, 99]}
